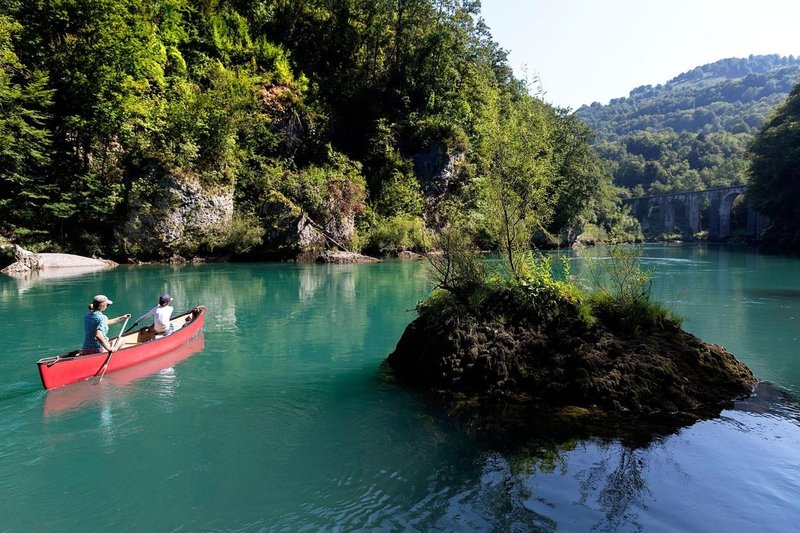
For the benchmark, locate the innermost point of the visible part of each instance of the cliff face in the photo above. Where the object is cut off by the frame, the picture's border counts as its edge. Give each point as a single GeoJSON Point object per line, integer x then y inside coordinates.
{"type": "Point", "coordinates": [177, 215]}
{"type": "Point", "coordinates": [289, 232]}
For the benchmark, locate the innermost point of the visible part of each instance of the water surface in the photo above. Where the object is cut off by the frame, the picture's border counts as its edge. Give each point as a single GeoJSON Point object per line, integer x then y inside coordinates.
{"type": "Point", "coordinates": [281, 416]}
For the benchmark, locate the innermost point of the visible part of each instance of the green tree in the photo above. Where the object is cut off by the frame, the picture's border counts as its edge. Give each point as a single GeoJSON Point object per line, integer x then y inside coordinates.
{"type": "Point", "coordinates": [25, 102]}
{"type": "Point", "coordinates": [519, 173]}
{"type": "Point", "coordinates": [405, 105]}
{"type": "Point", "coordinates": [578, 171]}
{"type": "Point", "coordinates": [705, 118]}
{"type": "Point", "coordinates": [104, 59]}
{"type": "Point", "coordinates": [775, 169]}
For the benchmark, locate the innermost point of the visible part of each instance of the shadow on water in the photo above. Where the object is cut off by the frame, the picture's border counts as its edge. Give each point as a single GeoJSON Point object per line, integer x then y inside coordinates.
{"type": "Point", "coordinates": [514, 426]}
{"type": "Point", "coordinates": [509, 424]}
{"type": "Point", "coordinates": [772, 293]}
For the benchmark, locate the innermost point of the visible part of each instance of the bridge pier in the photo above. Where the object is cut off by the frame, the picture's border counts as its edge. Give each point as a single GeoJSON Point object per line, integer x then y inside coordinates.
{"type": "Point", "coordinates": [693, 209]}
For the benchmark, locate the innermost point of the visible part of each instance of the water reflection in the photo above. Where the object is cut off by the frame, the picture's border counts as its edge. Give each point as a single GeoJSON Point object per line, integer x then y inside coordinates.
{"type": "Point", "coordinates": [597, 483]}
{"type": "Point", "coordinates": [619, 485]}
{"type": "Point", "coordinates": [26, 280]}
{"type": "Point", "coordinates": [513, 425]}
{"type": "Point", "coordinates": [308, 283]}
{"type": "Point", "coordinates": [118, 383]}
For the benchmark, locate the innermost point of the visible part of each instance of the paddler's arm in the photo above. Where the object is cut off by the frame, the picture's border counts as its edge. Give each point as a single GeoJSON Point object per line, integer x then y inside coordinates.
{"type": "Point", "coordinates": [103, 341]}
{"type": "Point", "coordinates": [117, 319]}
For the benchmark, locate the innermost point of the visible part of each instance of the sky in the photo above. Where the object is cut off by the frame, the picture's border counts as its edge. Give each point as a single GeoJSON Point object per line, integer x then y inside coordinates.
{"type": "Point", "coordinates": [584, 51]}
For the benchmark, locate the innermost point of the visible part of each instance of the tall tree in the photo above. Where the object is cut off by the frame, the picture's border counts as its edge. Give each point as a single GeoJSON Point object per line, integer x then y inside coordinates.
{"type": "Point", "coordinates": [775, 169]}
{"type": "Point", "coordinates": [25, 103]}
{"type": "Point", "coordinates": [578, 170]}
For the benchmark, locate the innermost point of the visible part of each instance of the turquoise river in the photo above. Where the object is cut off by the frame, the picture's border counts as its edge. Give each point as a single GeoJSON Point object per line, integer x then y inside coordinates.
{"type": "Point", "coordinates": [282, 417]}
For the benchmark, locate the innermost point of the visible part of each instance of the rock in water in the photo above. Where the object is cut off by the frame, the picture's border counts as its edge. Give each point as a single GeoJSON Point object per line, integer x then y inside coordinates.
{"type": "Point", "coordinates": [564, 362]}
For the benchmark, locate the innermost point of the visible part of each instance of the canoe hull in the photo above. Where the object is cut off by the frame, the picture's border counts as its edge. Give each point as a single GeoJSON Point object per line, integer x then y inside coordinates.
{"type": "Point", "coordinates": [65, 369]}
{"type": "Point", "coordinates": [117, 384]}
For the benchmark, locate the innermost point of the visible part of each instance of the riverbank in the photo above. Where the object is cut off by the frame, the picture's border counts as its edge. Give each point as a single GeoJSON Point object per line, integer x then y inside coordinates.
{"type": "Point", "coordinates": [16, 261]}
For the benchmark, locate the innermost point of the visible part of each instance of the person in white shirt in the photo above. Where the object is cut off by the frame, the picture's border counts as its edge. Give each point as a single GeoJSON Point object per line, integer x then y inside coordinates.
{"type": "Point", "coordinates": [161, 316]}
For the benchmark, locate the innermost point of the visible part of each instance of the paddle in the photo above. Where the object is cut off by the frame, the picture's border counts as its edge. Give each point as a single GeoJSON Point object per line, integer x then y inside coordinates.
{"type": "Point", "coordinates": [130, 328]}
{"type": "Point", "coordinates": [116, 341]}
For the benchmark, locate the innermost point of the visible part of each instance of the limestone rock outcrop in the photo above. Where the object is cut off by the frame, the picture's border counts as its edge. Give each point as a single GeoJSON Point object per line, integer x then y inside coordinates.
{"type": "Point", "coordinates": [439, 170]}
{"type": "Point", "coordinates": [175, 215]}
{"type": "Point", "coordinates": [289, 233]}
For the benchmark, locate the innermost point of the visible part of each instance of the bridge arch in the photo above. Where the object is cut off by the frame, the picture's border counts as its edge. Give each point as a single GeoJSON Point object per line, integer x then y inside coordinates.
{"type": "Point", "coordinates": [694, 211]}
{"type": "Point", "coordinates": [726, 213]}
{"type": "Point", "coordinates": [676, 217]}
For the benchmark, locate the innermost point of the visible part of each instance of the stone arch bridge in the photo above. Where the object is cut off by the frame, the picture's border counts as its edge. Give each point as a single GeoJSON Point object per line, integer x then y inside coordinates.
{"type": "Point", "coordinates": [695, 211]}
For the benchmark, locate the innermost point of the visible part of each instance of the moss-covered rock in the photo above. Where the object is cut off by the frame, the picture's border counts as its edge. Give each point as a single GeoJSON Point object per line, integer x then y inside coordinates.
{"type": "Point", "coordinates": [559, 360]}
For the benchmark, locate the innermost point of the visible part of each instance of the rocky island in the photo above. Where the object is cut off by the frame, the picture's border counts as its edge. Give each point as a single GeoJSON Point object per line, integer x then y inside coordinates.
{"type": "Point", "coordinates": [540, 346]}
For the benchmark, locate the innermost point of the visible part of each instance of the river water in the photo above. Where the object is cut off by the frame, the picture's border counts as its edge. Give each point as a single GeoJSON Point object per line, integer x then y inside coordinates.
{"type": "Point", "coordinates": [281, 416]}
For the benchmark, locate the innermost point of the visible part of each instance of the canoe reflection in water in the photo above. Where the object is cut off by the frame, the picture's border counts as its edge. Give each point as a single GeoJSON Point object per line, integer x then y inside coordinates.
{"type": "Point", "coordinates": [65, 399]}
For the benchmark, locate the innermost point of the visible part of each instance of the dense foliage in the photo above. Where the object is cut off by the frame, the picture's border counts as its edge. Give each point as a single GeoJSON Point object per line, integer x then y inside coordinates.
{"type": "Point", "coordinates": [691, 133]}
{"type": "Point", "coordinates": [775, 172]}
{"type": "Point", "coordinates": [374, 112]}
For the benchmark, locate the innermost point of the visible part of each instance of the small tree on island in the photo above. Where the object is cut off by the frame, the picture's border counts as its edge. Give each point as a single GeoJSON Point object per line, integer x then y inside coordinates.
{"type": "Point", "coordinates": [514, 202]}
{"type": "Point", "coordinates": [622, 291]}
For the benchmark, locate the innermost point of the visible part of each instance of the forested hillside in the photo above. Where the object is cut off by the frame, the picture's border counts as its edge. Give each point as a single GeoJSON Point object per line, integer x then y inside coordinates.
{"type": "Point", "coordinates": [147, 128]}
{"type": "Point", "coordinates": [693, 131]}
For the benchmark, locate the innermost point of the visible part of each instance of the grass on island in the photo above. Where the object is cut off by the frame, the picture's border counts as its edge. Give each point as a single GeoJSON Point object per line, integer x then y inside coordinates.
{"type": "Point", "coordinates": [620, 295]}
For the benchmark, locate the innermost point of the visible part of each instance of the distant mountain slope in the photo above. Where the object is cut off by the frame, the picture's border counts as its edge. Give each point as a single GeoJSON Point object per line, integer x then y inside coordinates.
{"type": "Point", "coordinates": [691, 132]}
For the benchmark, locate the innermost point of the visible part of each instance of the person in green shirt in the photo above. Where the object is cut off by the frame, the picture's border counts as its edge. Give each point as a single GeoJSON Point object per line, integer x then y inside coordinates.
{"type": "Point", "coordinates": [95, 326]}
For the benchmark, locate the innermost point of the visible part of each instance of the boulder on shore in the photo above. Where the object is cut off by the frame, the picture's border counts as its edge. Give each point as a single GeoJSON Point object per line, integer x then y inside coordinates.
{"type": "Point", "coordinates": [29, 262]}
{"type": "Point", "coordinates": [339, 257]}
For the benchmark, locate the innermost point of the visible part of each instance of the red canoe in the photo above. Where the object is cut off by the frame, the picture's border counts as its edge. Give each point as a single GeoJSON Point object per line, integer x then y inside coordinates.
{"type": "Point", "coordinates": [65, 399]}
{"type": "Point", "coordinates": [137, 347]}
